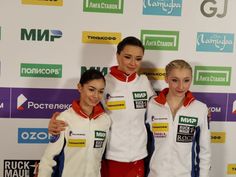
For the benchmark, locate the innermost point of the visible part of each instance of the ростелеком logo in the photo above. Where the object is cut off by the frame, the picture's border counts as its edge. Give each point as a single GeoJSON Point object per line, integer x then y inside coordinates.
{"type": "Point", "coordinates": [21, 99]}
{"type": "Point", "coordinates": [234, 107]}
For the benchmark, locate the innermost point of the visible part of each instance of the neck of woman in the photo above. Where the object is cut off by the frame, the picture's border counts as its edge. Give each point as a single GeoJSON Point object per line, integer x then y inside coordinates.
{"type": "Point", "coordinates": [86, 108]}
{"type": "Point", "coordinates": [174, 103]}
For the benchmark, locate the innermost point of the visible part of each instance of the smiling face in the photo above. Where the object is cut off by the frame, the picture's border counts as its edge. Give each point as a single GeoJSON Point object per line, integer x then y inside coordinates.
{"type": "Point", "coordinates": [129, 59]}
{"type": "Point", "coordinates": [178, 77]}
{"type": "Point", "coordinates": [91, 92]}
{"type": "Point", "coordinates": [179, 81]}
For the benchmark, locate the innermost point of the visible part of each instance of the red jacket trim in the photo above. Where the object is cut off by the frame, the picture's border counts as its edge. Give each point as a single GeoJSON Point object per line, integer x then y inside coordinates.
{"type": "Point", "coordinates": [121, 75]}
{"type": "Point", "coordinates": [97, 110]}
{"type": "Point", "coordinates": [161, 98]}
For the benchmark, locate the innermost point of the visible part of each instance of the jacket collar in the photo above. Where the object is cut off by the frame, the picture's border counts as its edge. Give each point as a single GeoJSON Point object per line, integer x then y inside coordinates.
{"type": "Point", "coordinates": [97, 110]}
{"type": "Point", "coordinates": [121, 75]}
{"type": "Point", "coordinates": [161, 98]}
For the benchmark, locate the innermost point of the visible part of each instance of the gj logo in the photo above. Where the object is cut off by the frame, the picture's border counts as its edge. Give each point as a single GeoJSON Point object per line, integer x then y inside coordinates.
{"type": "Point", "coordinates": [162, 7]}
{"type": "Point", "coordinates": [160, 40]}
{"type": "Point", "coordinates": [40, 35]}
{"type": "Point", "coordinates": [17, 168]}
{"type": "Point", "coordinates": [21, 99]}
{"type": "Point", "coordinates": [215, 42]}
{"type": "Point", "coordinates": [210, 8]}
{"type": "Point", "coordinates": [212, 75]}
{"type": "Point", "coordinates": [33, 135]}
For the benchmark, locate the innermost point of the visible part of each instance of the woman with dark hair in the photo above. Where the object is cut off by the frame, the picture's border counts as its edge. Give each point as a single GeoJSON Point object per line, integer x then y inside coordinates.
{"type": "Point", "coordinates": [126, 96]}
{"type": "Point", "coordinates": [77, 151]}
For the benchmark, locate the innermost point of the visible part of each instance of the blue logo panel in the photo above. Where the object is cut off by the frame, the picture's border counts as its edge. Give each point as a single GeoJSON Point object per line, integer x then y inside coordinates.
{"type": "Point", "coordinates": [33, 135]}
{"type": "Point", "coordinates": [162, 7]}
{"type": "Point", "coordinates": [215, 42]}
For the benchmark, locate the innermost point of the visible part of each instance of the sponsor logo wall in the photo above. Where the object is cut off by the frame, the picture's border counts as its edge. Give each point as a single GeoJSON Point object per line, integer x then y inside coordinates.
{"type": "Point", "coordinates": [50, 43]}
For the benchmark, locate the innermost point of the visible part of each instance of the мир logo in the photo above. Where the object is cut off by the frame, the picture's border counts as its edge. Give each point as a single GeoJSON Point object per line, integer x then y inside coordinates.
{"type": "Point", "coordinates": [40, 34]}
{"type": "Point", "coordinates": [21, 99]}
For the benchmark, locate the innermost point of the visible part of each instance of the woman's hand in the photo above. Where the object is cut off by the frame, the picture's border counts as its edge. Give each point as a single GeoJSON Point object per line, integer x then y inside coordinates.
{"type": "Point", "coordinates": [56, 126]}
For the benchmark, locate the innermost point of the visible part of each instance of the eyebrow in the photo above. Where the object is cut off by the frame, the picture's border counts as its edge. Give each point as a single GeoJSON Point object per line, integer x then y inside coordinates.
{"type": "Point", "coordinates": [133, 55]}
{"type": "Point", "coordinates": [90, 86]}
{"type": "Point", "coordinates": [179, 78]}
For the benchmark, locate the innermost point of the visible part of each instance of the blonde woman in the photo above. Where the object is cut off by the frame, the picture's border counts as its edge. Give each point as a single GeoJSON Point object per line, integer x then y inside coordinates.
{"type": "Point", "coordinates": [179, 125]}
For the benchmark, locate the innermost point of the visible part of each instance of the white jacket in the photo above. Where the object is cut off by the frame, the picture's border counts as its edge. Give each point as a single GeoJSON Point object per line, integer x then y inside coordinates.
{"type": "Point", "coordinates": [126, 100]}
{"type": "Point", "coordinates": [182, 143]}
{"type": "Point", "coordinates": [85, 140]}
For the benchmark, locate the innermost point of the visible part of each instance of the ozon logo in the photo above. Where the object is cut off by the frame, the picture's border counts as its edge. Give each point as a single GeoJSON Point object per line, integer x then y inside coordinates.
{"type": "Point", "coordinates": [33, 135]}
{"type": "Point", "coordinates": [210, 8]}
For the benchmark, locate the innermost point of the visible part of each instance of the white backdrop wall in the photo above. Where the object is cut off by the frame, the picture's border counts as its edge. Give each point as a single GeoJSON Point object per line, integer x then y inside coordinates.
{"type": "Point", "coordinates": [46, 44]}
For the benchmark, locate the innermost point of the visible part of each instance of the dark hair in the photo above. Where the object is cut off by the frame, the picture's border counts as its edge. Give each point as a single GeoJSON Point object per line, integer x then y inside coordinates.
{"type": "Point", "coordinates": [90, 75]}
{"type": "Point", "coordinates": [131, 40]}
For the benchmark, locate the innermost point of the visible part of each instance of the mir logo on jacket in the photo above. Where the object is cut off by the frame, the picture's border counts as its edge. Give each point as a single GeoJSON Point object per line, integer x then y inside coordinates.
{"type": "Point", "coordinates": [186, 129]}
{"type": "Point", "coordinates": [140, 100]}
